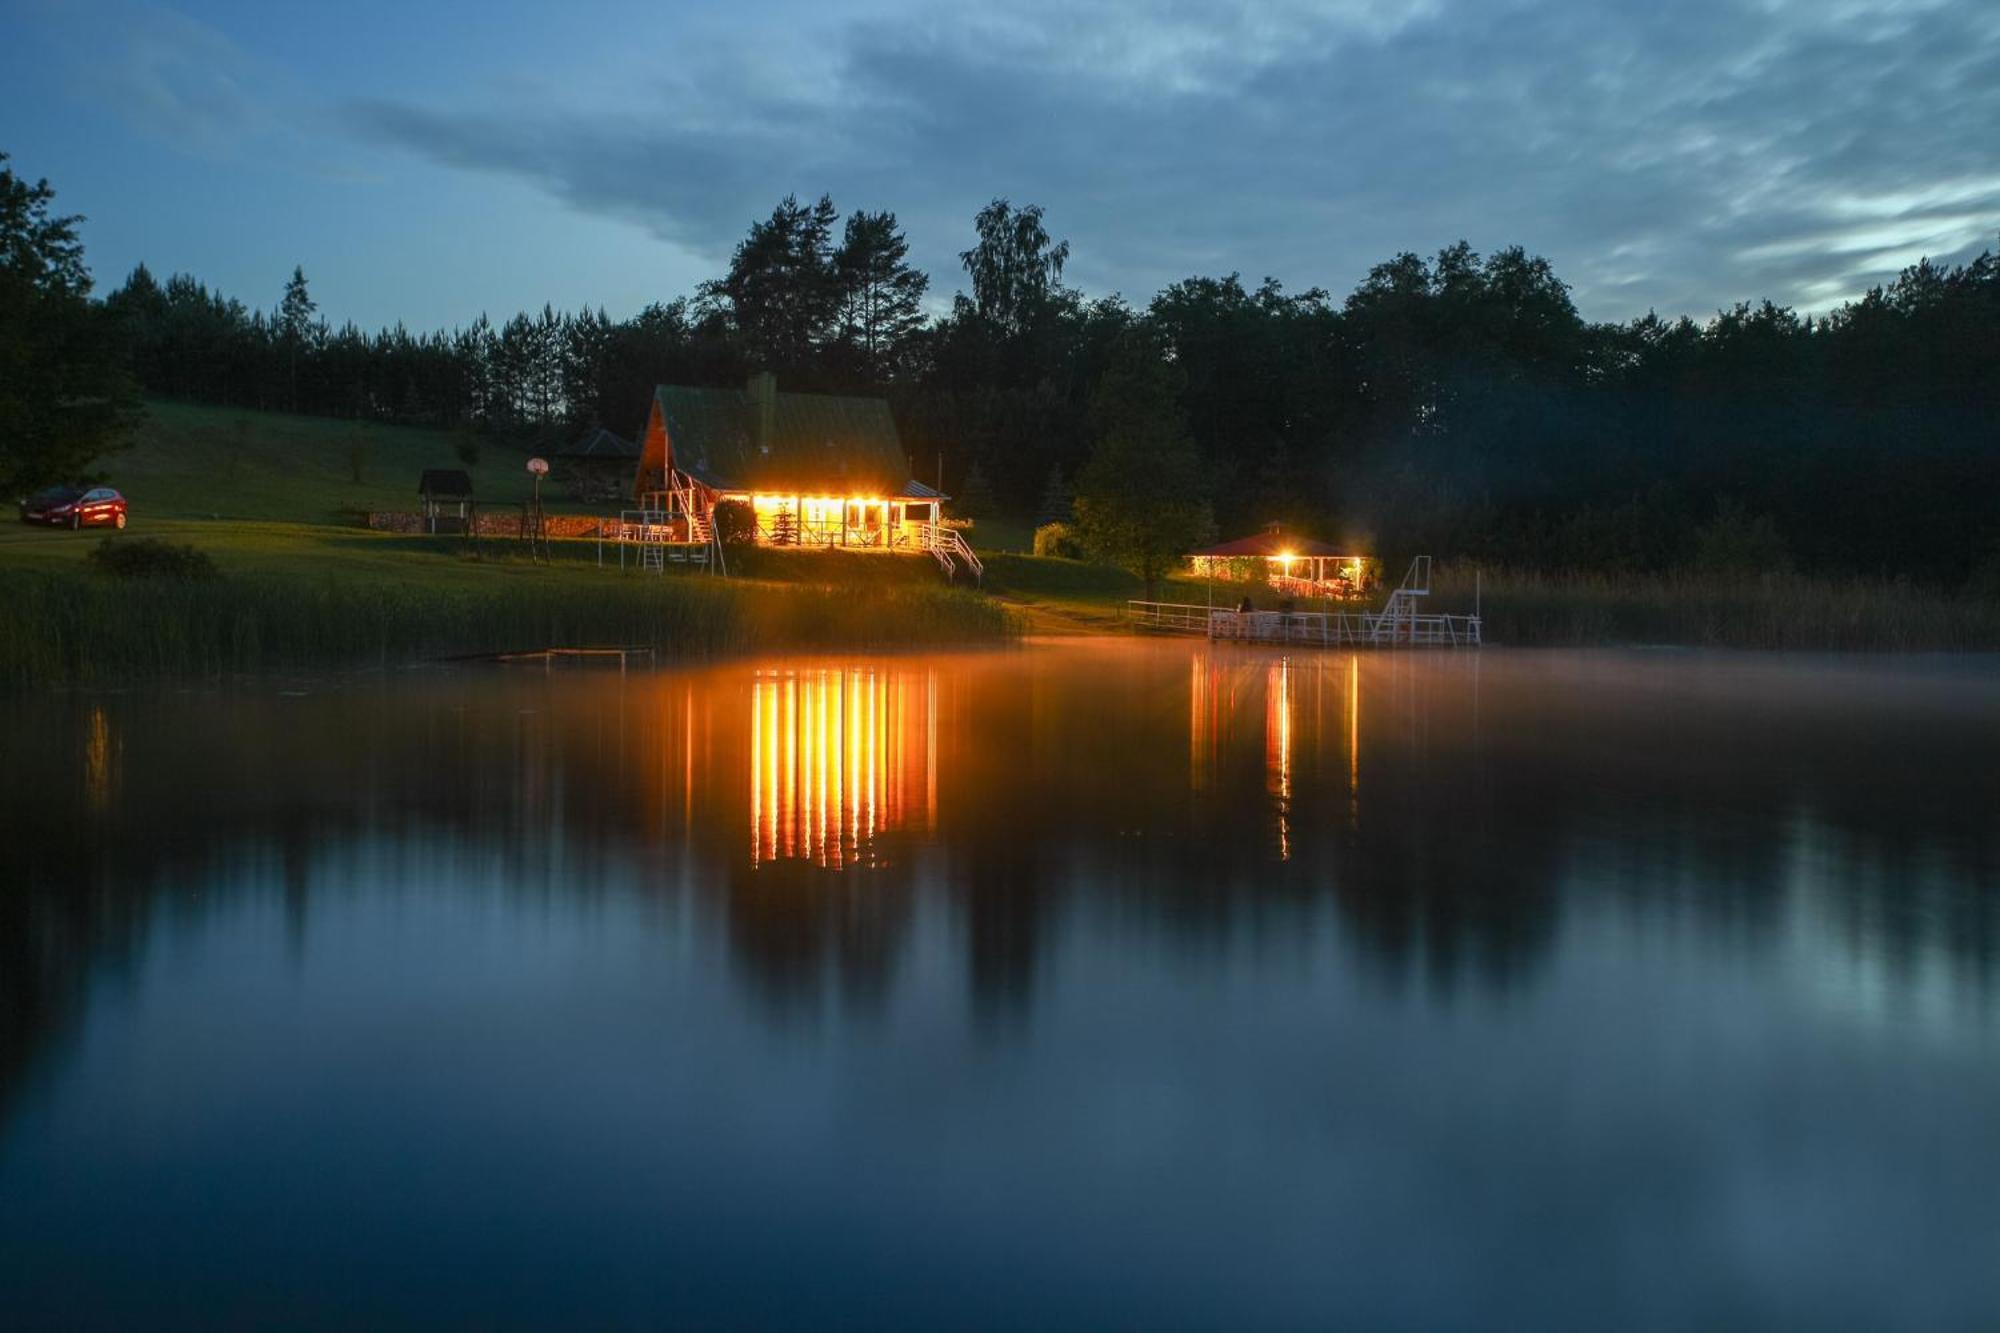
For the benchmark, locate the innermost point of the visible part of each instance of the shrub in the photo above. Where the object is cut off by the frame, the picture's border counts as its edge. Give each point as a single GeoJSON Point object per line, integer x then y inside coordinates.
{"type": "Point", "coordinates": [1735, 543]}
{"type": "Point", "coordinates": [735, 522]}
{"type": "Point", "coordinates": [1058, 539]}
{"type": "Point", "coordinates": [150, 558]}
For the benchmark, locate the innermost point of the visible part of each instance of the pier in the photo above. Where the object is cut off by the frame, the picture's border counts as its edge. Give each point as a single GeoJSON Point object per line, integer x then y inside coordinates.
{"type": "Point", "coordinates": [1401, 623]}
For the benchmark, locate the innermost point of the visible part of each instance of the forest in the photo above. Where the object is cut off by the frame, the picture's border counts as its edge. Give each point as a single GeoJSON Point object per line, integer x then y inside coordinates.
{"type": "Point", "coordinates": [1455, 403]}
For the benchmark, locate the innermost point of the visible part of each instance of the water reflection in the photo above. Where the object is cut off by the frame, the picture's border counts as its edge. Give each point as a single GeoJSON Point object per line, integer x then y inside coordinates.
{"type": "Point", "coordinates": [945, 867]}
{"type": "Point", "coordinates": [838, 757]}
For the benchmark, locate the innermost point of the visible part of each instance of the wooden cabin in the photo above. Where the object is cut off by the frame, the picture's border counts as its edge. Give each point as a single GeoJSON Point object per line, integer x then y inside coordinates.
{"type": "Point", "coordinates": [1292, 565]}
{"type": "Point", "coordinates": [815, 470]}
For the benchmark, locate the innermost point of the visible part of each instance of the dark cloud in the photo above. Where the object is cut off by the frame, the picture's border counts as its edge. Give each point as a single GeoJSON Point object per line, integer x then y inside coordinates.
{"type": "Point", "coordinates": [1674, 156]}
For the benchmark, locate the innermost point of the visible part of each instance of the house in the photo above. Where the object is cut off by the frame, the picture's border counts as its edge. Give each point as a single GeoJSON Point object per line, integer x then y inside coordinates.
{"type": "Point", "coordinates": [597, 466]}
{"type": "Point", "coordinates": [446, 498]}
{"type": "Point", "coordinates": [1293, 565]}
{"type": "Point", "coordinates": [814, 470]}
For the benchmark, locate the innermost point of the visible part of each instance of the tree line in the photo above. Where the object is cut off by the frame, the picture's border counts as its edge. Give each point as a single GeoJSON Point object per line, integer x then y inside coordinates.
{"type": "Point", "coordinates": [1455, 403]}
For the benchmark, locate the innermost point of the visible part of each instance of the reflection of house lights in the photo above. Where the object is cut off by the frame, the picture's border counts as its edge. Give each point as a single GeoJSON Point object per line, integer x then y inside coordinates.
{"type": "Point", "coordinates": [1278, 748]}
{"type": "Point", "coordinates": [1353, 740]}
{"type": "Point", "coordinates": [833, 762]}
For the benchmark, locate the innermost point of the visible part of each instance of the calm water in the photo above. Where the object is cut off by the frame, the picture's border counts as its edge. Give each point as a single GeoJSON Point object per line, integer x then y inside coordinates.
{"type": "Point", "coordinates": [1095, 984]}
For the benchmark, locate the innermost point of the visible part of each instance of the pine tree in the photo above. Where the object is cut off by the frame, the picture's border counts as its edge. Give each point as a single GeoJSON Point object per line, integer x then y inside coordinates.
{"type": "Point", "coordinates": [781, 292]}
{"type": "Point", "coordinates": [294, 321]}
{"type": "Point", "coordinates": [881, 295]}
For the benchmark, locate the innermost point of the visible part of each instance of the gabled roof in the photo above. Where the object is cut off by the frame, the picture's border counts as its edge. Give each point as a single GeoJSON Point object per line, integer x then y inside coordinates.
{"type": "Point", "coordinates": [818, 444]}
{"type": "Point", "coordinates": [1274, 543]}
{"type": "Point", "coordinates": [444, 483]}
{"type": "Point", "coordinates": [602, 444]}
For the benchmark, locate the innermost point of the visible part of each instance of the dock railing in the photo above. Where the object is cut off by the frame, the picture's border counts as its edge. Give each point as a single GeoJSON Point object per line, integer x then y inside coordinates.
{"type": "Point", "coordinates": [1329, 629]}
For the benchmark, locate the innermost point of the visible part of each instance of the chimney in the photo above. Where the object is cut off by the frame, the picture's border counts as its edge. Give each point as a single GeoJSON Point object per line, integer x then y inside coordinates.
{"type": "Point", "coordinates": [762, 391]}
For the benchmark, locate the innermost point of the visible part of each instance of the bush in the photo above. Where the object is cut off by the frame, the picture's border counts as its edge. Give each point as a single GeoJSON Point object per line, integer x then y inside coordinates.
{"type": "Point", "coordinates": [1734, 543]}
{"type": "Point", "coordinates": [1058, 539]}
{"type": "Point", "coordinates": [735, 522]}
{"type": "Point", "coordinates": [150, 558]}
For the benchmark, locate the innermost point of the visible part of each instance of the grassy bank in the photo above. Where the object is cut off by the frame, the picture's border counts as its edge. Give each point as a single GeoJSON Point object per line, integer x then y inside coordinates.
{"type": "Point", "coordinates": [61, 627]}
{"type": "Point", "coordinates": [270, 498]}
{"type": "Point", "coordinates": [1779, 612]}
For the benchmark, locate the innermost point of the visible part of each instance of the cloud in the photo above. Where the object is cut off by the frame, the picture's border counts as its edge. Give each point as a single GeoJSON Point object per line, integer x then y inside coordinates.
{"type": "Point", "coordinates": [168, 76]}
{"type": "Point", "coordinates": [1676, 156]}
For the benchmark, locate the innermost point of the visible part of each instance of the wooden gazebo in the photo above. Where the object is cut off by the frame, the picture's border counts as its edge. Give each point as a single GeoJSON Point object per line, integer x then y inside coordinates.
{"type": "Point", "coordinates": [446, 494]}
{"type": "Point", "coordinates": [1296, 566]}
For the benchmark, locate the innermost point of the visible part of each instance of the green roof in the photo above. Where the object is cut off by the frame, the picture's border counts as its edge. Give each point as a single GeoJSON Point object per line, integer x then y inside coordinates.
{"type": "Point", "coordinates": [817, 444]}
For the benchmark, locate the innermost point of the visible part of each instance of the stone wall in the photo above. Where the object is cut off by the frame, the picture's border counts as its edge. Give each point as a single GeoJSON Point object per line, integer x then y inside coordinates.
{"type": "Point", "coordinates": [488, 523]}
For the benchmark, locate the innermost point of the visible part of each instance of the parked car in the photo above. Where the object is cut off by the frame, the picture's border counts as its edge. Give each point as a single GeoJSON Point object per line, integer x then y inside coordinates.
{"type": "Point", "coordinates": [67, 507]}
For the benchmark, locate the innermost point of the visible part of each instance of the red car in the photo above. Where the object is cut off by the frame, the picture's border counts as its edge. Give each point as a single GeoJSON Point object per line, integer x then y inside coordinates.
{"type": "Point", "coordinates": [67, 507]}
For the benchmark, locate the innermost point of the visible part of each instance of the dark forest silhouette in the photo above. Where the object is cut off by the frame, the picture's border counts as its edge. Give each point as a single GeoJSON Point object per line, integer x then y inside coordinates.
{"type": "Point", "coordinates": [1457, 403]}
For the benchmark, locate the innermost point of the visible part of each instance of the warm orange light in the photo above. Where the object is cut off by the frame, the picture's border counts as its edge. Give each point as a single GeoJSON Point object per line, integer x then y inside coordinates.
{"type": "Point", "coordinates": [1278, 748]}
{"type": "Point", "coordinates": [834, 757]}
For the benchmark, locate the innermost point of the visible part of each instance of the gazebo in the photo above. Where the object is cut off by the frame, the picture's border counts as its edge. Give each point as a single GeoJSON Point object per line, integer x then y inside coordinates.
{"type": "Point", "coordinates": [1297, 566]}
{"type": "Point", "coordinates": [598, 466]}
{"type": "Point", "coordinates": [439, 491]}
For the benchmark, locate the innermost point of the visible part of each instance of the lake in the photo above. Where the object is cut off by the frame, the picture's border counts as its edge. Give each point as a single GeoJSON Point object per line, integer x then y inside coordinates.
{"type": "Point", "coordinates": [1081, 984]}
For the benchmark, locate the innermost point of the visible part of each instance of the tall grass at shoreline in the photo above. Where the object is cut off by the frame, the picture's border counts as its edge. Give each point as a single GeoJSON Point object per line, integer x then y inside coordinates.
{"type": "Point", "coordinates": [61, 628]}
{"type": "Point", "coordinates": [1706, 610]}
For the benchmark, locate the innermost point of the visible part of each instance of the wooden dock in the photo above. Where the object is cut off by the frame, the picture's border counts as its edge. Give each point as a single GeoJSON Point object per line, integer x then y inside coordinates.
{"type": "Point", "coordinates": [548, 657]}
{"type": "Point", "coordinates": [1399, 624]}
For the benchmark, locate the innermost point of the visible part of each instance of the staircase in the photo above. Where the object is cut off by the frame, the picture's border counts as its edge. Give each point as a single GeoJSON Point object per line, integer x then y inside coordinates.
{"type": "Point", "coordinates": [949, 548]}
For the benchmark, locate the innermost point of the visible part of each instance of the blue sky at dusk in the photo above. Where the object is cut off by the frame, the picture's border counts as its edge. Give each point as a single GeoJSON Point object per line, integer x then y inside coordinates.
{"type": "Point", "coordinates": [425, 162]}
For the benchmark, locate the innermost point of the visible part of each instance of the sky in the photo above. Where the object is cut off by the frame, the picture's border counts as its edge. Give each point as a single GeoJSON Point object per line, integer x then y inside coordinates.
{"type": "Point", "coordinates": [428, 161]}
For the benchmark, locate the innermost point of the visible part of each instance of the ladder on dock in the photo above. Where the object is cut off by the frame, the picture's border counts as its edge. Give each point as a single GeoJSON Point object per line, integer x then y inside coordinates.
{"type": "Point", "coordinates": [1400, 615]}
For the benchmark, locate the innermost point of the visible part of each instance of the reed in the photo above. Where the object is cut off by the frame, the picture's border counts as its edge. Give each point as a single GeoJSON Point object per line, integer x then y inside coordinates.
{"type": "Point", "coordinates": [64, 628]}
{"type": "Point", "coordinates": [1704, 610]}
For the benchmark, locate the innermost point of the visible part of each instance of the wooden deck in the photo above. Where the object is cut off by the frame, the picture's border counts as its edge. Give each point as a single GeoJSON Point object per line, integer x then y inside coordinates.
{"type": "Point", "coordinates": [1325, 629]}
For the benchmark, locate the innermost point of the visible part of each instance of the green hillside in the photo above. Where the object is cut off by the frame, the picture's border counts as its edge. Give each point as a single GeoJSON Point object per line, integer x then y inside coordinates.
{"type": "Point", "coordinates": [186, 461]}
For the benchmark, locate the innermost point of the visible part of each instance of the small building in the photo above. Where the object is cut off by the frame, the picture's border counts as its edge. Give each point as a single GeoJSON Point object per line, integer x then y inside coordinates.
{"type": "Point", "coordinates": [445, 495]}
{"type": "Point", "coordinates": [815, 470]}
{"type": "Point", "coordinates": [1295, 566]}
{"type": "Point", "coordinates": [596, 467]}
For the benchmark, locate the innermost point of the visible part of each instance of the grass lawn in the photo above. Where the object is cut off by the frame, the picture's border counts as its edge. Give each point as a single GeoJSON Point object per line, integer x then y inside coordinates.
{"type": "Point", "coordinates": [187, 461]}
{"type": "Point", "coordinates": [271, 498]}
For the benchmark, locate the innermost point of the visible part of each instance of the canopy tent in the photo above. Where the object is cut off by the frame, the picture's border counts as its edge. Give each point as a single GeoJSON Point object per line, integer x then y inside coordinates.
{"type": "Point", "coordinates": [1296, 565]}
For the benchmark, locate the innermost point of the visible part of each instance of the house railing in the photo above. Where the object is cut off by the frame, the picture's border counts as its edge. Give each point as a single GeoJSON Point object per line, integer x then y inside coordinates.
{"type": "Point", "coordinates": [949, 548]}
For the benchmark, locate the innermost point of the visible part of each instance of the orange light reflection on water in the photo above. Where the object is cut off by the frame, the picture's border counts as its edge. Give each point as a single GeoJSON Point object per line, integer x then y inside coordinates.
{"type": "Point", "coordinates": [836, 753]}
